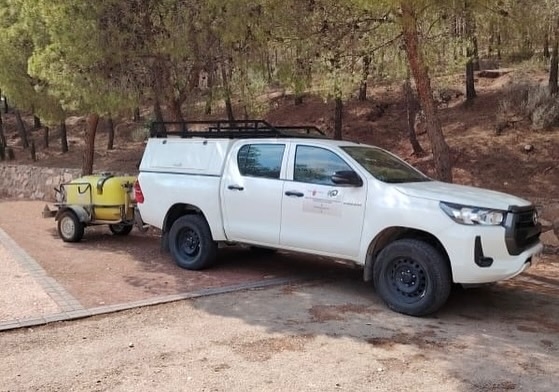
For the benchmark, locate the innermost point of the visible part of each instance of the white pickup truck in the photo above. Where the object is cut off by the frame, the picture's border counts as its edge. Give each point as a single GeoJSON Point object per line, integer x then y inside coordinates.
{"type": "Point", "coordinates": [276, 188]}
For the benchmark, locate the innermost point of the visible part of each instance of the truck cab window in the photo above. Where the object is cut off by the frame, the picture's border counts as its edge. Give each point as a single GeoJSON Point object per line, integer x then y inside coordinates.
{"type": "Point", "coordinates": [316, 165]}
{"type": "Point", "coordinates": [261, 160]}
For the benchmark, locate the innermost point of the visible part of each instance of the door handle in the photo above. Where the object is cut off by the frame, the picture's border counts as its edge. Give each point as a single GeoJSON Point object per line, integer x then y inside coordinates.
{"type": "Point", "coordinates": [294, 193]}
{"type": "Point", "coordinates": [235, 188]}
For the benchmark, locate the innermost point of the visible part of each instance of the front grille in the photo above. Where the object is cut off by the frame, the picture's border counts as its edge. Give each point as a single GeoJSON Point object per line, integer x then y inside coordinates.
{"type": "Point", "coordinates": [522, 230]}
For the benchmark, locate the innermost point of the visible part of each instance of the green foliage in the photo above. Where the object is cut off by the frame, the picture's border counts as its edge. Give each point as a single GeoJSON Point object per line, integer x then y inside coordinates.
{"type": "Point", "coordinates": [17, 43]}
{"type": "Point", "coordinates": [71, 55]}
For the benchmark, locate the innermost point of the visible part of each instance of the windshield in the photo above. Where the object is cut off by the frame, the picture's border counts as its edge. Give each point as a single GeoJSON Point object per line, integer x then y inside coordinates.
{"type": "Point", "coordinates": [384, 166]}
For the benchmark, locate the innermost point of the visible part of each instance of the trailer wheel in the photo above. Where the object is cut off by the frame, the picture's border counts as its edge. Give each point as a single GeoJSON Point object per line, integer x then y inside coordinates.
{"type": "Point", "coordinates": [191, 243]}
{"type": "Point", "coordinates": [121, 228]}
{"type": "Point", "coordinates": [70, 229]}
{"type": "Point", "coordinates": [412, 277]}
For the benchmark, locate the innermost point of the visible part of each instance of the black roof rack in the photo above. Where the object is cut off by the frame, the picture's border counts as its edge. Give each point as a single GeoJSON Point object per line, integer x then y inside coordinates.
{"type": "Point", "coordinates": [237, 129]}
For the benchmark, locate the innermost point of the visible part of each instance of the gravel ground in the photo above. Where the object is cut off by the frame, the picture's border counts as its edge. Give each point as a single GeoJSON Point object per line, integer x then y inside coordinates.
{"type": "Point", "coordinates": [20, 295]}
{"type": "Point", "coordinates": [324, 336]}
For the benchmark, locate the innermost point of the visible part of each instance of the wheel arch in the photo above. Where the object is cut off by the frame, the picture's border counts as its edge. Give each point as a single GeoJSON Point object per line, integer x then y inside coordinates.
{"type": "Point", "coordinates": [395, 233]}
{"type": "Point", "coordinates": [175, 212]}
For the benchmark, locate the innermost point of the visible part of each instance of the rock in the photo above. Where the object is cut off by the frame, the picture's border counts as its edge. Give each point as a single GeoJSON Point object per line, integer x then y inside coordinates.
{"type": "Point", "coordinates": [528, 148]}
{"type": "Point", "coordinates": [131, 345]}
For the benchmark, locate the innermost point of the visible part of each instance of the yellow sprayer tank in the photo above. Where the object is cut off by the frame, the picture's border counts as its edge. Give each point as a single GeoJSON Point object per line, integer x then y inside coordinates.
{"type": "Point", "coordinates": [105, 193]}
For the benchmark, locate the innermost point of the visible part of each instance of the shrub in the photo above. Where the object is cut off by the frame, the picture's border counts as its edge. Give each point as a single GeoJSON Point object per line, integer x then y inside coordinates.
{"type": "Point", "coordinates": [531, 102]}
{"type": "Point", "coordinates": [546, 114]}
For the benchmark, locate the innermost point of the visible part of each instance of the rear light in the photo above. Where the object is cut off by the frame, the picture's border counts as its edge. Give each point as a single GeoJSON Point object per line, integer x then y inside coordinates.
{"type": "Point", "coordinates": [138, 195]}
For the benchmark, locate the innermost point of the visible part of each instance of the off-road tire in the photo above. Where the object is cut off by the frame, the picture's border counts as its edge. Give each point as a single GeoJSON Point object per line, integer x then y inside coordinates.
{"type": "Point", "coordinates": [191, 243]}
{"type": "Point", "coordinates": [70, 229]}
{"type": "Point", "coordinates": [412, 277]}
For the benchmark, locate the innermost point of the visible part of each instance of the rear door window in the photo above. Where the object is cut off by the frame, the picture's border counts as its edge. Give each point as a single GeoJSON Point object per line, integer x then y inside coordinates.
{"type": "Point", "coordinates": [261, 160]}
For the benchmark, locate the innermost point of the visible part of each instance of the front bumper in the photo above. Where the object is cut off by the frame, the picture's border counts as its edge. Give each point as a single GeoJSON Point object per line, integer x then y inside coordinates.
{"type": "Point", "coordinates": [495, 263]}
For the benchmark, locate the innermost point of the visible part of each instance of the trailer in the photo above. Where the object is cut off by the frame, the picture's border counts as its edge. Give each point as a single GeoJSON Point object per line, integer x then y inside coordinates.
{"type": "Point", "coordinates": [103, 199]}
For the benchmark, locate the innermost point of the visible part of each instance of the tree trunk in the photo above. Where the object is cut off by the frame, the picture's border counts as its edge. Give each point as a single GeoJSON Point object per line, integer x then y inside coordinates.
{"type": "Point", "coordinates": [158, 128]}
{"type": "Point", "coordinates": [176, 114]}
{"type": "Point", "coordinates": [471, 52]}
{"type": "Point", "coordinates": [2, 140]}
{"type": "Point", "coordinates": [89, 151]}
{"type": "Point", "coordinates": [554, 69]}
{"type": "Point", "coordinates": [499, 45]}
{"type": "Point", "coordinates": [412, 107]}
{"type": "Point", "coordinates": [546, 53]}
{"type": "Point", "coordinates": [470, 81]}
{"type": "Point", "coordinates": [36, 123]}
{"type": "Point", "coordinates": [441, 153]}
{"type": "Point", "coordinates": [33, 151]}
{"type": "Point", "coordinates": [476, 52]}
{"type": "Point", "coordinates": [2, 134]}
{"type": "Point", "coordinates": [210, 93]}
{"type": "Point", "coordinates": [46, 131]}
{"type": "Point", "coordinates": [136, 116]}
{"type": "Point", "coordinates": [157, 112]}
{"type": "Point", "coordinates": [175, 110]}
{"type": "Point", "coordinates": [63, 137]}
{"type": "Point", "coordinates": [364, 78]}
{"type": "Point", "coordinates": [227, 89]}
{"type": "Point", "coordinates": [21, 130]}
{"type": "Point", "coordinates": [338, 118]}
{"type": "Point", "coordinates": [301, 75]}
{"type": "Point", "coordinates": [111, 131]}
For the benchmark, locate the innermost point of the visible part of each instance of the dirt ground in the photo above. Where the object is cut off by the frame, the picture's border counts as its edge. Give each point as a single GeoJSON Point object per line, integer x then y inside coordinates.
{"type": "Point", "coordinates": [332, 334]}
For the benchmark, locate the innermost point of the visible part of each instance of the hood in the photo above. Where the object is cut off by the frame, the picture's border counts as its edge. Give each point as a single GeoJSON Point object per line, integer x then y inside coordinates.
{"type": "Point", "coordinates": [461, 194]}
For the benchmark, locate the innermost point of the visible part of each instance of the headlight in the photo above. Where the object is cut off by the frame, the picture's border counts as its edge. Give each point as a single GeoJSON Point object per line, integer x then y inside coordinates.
{"type": "Point", "coordinates": [468, 215]}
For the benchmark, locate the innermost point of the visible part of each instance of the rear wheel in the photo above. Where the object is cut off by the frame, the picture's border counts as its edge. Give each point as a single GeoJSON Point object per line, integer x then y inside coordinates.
{"type": "Point", "coordinates": [412, 277]}
{"type": "Point", "coordinates": [121, 228]}
{"type": "Point", "coordinates": [70, 229]}
{"type": "Point", "coordinates": [191, 243]}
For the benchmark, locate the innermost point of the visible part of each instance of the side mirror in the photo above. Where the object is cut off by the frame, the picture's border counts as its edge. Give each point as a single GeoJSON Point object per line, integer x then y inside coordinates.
{"type": "Point", "coordinates": [347, 177]}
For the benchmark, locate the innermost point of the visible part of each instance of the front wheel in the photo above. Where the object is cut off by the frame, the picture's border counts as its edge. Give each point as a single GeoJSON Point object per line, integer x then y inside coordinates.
{"type": "Point", "coordinates": [191, 243]}
{"type": "Point", "coordinates": [70, 229]}
{"type": "Point", "coordinates": [121, 228]}
{"type": "Point", "coordinates": [412, 277]}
